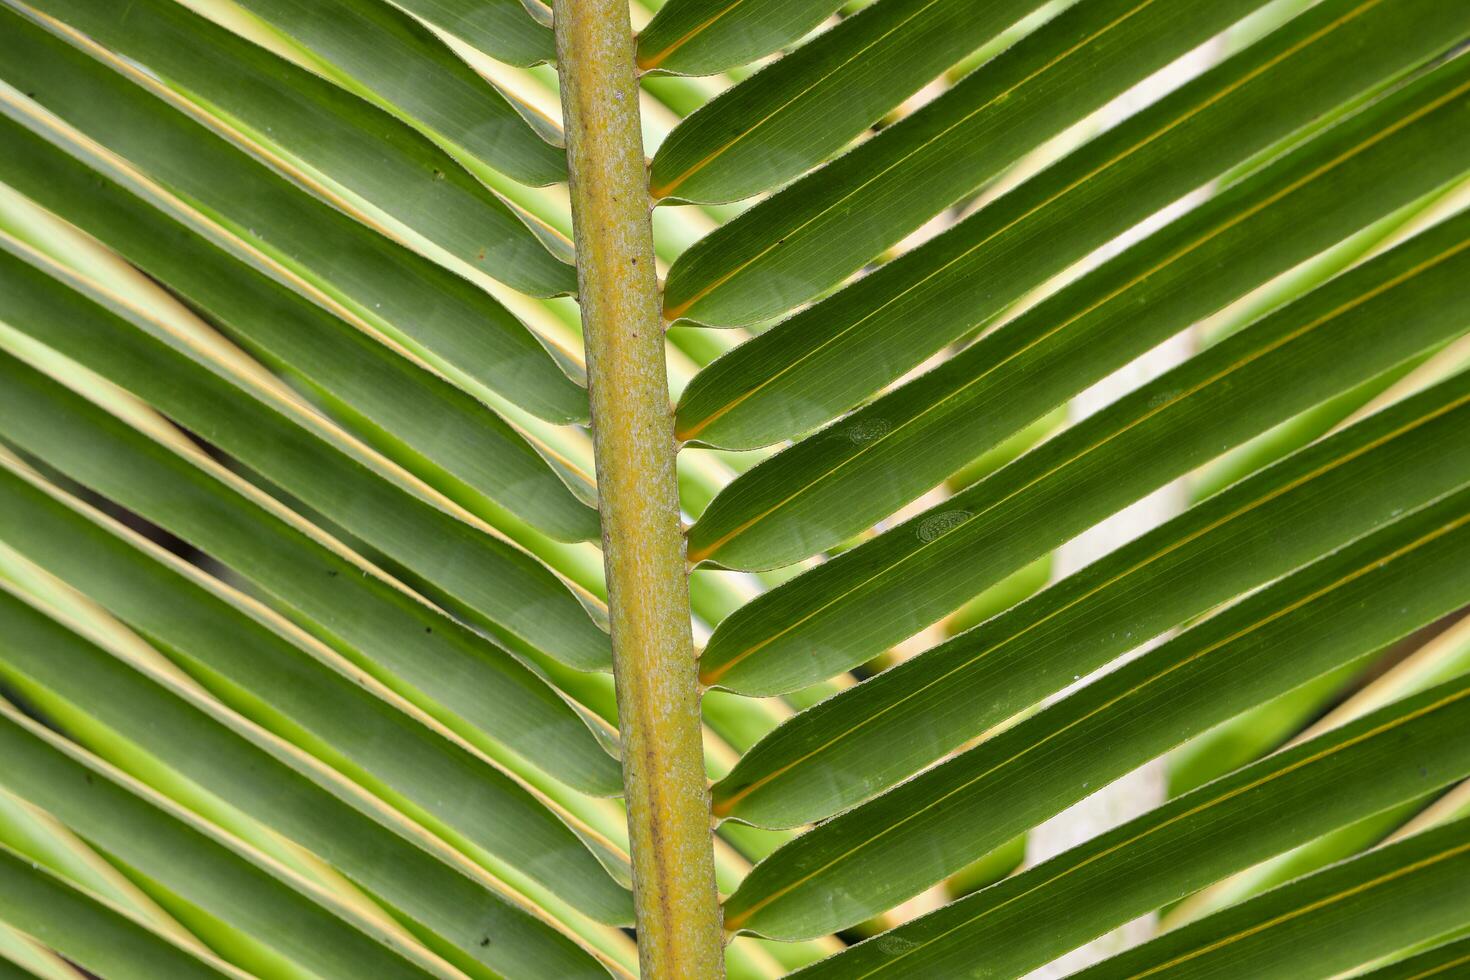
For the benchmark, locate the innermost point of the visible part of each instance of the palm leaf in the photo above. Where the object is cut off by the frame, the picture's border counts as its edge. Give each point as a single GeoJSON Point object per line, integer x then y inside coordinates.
{"type": "Point", "coordinates": [346, 625]}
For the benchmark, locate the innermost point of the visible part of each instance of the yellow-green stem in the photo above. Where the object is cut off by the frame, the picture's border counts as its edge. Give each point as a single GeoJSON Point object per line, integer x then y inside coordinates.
{"type": "Point", "coordinates": [679, 928]}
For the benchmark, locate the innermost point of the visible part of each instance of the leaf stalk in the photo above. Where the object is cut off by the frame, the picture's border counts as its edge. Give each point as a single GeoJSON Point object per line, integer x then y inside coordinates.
{"type": "Point", "coordinates": [680, 934]}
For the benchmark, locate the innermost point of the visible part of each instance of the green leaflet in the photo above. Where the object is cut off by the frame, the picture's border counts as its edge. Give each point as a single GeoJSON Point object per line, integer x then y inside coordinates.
{"type": "Point", "coordinates": [702, 37]}
{"type": "Point", "coordinates": [424, 305]}
{"type": "Point", "coordinates": [332, 131]}
{"type": "Point", "coordinates": [832, 356]}
{"type": "Point", "coordinates": [472, 446]}
{"type": "Point", "coordinates": [1341, 607]}
{"type": "Point", "coordinates": [132, 823]}
{"type": "Point", "coordinates": [389, 58]}
{"type": "Point", "coordinates": [810, 236]}
{"type": "Point", "coordinates": [373, 758]}
{"type": "Point", "coordinates": [1254, 813]}
{"type": "Point", "coordinates": [1257, 732]}
{"type": "Point", "coordinates": [42, 840]}
{"type": "Point", "coordinates": [22, 958]}
{"type": "Point", "coordinates": [304, 693]}
{"type": "Point", "coordinates": [1290, 436]}
{"type": "Point", "coordinates": [1339, 845]}
{"type": "Point", "coordinates": [466, 681]}
{"type": "Point", "coordinates": [9, 969]}
{"type": "Point", "coordinates": [1441, 961]}
{"type": "Point", "coordinates": [89, 931]}
{"type": "Point", "coordinates": [852, 607]}
{"type": "Point", "coordinates": [466, 567]}
{"type": "Point", "coordinates": [1444, 658]}
{"type": "Point", "coordinates": [841, 751]}
{"type": "Point", "coordinates": [798, 111]}
{"type": "Point", "coordinates": [503, 29]}
{"type": "Point", "coordinates": [251, 955]}
{"type": "Point", "coordinates": [384, 853]}
{"type": "Point", "coordinates": [1294, 433]}
{"type": "Point", "coordinates": [1321, 925]}
{"type": "Point", "coordinates": [841, 481]}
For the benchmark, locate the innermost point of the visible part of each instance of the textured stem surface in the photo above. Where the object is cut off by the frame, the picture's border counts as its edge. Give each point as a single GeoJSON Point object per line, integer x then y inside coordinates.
{"type": "Point", "coordinates": [679, 928]}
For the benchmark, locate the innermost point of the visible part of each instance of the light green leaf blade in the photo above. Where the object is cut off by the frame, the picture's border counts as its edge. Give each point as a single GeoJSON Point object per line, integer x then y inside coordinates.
{"type": "Point", "coordinates": [841, 751]}
{"type": "Point", "coordinates": [126, 819]}
{"type": "Point", "coordinates": [414, 406]}
{"type": "Point", "coordinates": [444, 317]}
{"type": "Point", "coordinates": [11, 970]}
{"type": "Point", "coordinates": [41, 839]}
{"type": "Point", "coordinates": [465, 680]}
{"type": "Point", "coordinates": [332, 131]}
{"type": "Point", "coordinates": [22, 958]}
{"type": "Point", "coordinates": [702, 37]}
{"type": "Point", "coordinates": [830, 357]}
{"type": "Point", "coordinates": [503, 29]}
{"type": "Point", "coordinates": [886, 589]}
{"type": "Point", "coordinates": [384, 853]}
{"type": "Point", "coordinates": [393, 60]}
{"type": "Point", "coordinates": [793, 114]}
{"type": "Point", "coordinates": [478, 574]}
{"type": "Point", "coordinates": [233, 944]}
{"type": "Point", "coordinates": [326, 707]}
{"type": "Point", "coordinates": [1333, 611]}
{"type": "Point", "coordinates": [91, 932]}
{"type": "Point", "coordinates": [1321, 925]}
{"type": "Point", "coordinates": [1027, 921]}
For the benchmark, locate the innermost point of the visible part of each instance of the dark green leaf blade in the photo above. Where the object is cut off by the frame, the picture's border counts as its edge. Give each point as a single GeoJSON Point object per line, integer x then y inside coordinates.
{"type": "Point", "coordinates": [793, 114]}
{"type": "Point", "coordinates": [1395, 755]}
{"type": "Point", "coordinates": [1336, 610]}
{"type": "Point", "coordinates": [1441, 961]}
{"type": "Point", "coordinates": [1321, 925]}
{"type": "Point", "coordinates": [811, 235]}
{"type": "Point", "coordinates": [702, 37]}
{"type": "Point", "coordinates": [446, 427]}
{"type": "Point", "coordinates": [894, 585]}
{"type": "Point", "coordinates": [833, 486]}
{"type": "Point", "coordinates": [841, 751]}
{"type": "Point", "coordinates": [828, 358]}
{"type": "Point", "coordinates": [368, 150]}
